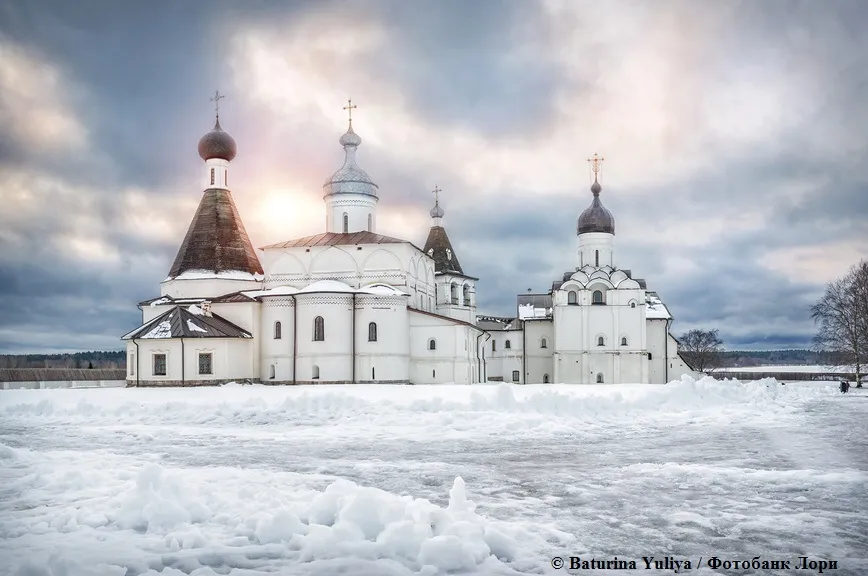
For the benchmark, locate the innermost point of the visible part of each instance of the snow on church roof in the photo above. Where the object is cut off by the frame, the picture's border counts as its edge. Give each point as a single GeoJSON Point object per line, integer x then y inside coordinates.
{"type": "Point", "coordinates": [655, 308]}
{"type": "Point", "coordinates": [337, 239]}
{"type": "Point", "coordinates": [180, 322]}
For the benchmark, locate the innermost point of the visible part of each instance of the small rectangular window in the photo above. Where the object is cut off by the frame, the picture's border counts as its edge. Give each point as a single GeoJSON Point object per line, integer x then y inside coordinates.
{"type": "Point", "coordinates": [212, 176]}
{"type": "Point", "coordinates": [205, 366]}
{"type": "Point", "coordinates": [515, 375]}
{"type": "Point", "coordinates": [159, 364]}
{"type": "Point", "coordinates": [132, 363]}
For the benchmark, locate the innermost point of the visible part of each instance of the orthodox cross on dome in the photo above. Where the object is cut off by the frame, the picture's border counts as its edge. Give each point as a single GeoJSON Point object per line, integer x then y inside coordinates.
{"type": "Point", "coordinates": [216, 100]}
{"type": "Point", "coordinates": [349, 108]}
{"type": "Point", "coordinates": [436, 192]}
{"type": "Point", "coordinates": [596, 165]}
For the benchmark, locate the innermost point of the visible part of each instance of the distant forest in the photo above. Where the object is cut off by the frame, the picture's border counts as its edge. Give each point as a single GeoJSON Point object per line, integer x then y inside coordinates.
{"type": "Point", "coordinates": [95, 359]}
{"type": "Point", "coordinates": [117, 359]}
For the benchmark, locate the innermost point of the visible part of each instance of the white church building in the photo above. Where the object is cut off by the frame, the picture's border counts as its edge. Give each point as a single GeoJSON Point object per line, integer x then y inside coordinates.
{"type": "Point", "coordinates": [351, 305]}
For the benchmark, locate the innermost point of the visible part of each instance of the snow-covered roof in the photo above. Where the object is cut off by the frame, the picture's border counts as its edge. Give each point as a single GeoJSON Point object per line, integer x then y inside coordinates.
{"type": "Point", "coordinates": [328, 286]}
{"type": "Point", "coordinates": [190, 322]}
{"type": "Point", "coordinates": [655, 308]}
{"type": "Point", "coordinates": [211, 275]}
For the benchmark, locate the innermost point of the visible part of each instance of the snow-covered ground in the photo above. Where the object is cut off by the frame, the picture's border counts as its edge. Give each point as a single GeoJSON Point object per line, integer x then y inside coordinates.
{"type": "Point", "coordinates": [399, 480]}
{"type": "Point", "coordinates": [790, 368]}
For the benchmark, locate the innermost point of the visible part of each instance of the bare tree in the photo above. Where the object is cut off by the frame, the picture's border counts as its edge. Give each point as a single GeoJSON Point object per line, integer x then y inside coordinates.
{"type": "Point", "coordinates": [702, 349]}
{"type": "Point", "coordinates": [842, 319]}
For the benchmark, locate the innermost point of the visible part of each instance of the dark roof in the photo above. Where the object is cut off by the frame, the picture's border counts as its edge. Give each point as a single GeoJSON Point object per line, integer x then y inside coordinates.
{"type": "Point", "coordinates": [537, 300]}
{"type": "Point", "coordinates": [179, 322]}
{"type": "Point", "coordinates": [337, 239]}
{"type": "Point", "coordinates": [596, 218]}
{"type": "Point", "coordinates": [216, 240]}
{"type": "Point", "coordinates": [497, 323]}
{"type": "Point", "coordinates": [436, 246]}
{"type": "Point", "coordinates": [217, 144]}
{"type": "Point", "coordinates": [168, 300]}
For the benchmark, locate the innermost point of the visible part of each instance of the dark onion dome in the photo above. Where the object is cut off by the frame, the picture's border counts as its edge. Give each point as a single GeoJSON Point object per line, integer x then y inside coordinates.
{"type": "Point", "coordinates": [596, 218]}
{"type": "Point", "coordinates": [217, 144]}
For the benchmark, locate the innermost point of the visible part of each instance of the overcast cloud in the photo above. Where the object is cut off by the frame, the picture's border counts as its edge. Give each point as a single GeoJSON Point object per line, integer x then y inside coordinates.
{"type": "Point", "coordinates": [733, 132]}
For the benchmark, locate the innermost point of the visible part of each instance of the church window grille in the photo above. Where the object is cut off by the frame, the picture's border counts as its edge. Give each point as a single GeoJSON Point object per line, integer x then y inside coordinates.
{"type": "Point", "coordinates": [507, 345]}
{"type": "Point", "coordinates": [370, 223]}
{"type": "Point", "coordinates": [346, 223]}
{"type": "Point", "coordinates": [132, 363]}
{"type": "Point", "coordinates": [572, 297]}
{"type": "Point", "coordinates": [206, 363]}
{"type": "Point", "coordinates": [314, 373]}
{"type": "Point", "coordinates": [373, 374]}
{"type": "Point", "coordinates": [649, 356]}
{"type": "Point", "coordinates": [494, 345]}
{"type": "Point", "coordinates": [432, 344]}
{"type": "Point", "coordinates": [544, 343]}
{"type": "Point", "coordinates": [277, 331]}
{"type": "Point", "coordinates": [601, 341]}
{"type": "Point", "coordinates": [318, 329]}
{"type": "Point", "coordinates": [598, 297]}
{"type": "Point", "coordinates": [597, 258]}
{"type": "Point", "coordinates": [159, 364]}
{"type": "Point", "coordinates": [271, 372]}
{"type": "Point", "coordinates": [515, 375]}
{"type": "Point", "coordinates": [372, 332]}
{"type": "Point", "coordinates": [212, 176]}
{"type": "Point", "coordinates": [599, 378]}
{"type": "Point", "coordinates": [545, 379]}
{"type": "Point", "coordinates": [623, 341]}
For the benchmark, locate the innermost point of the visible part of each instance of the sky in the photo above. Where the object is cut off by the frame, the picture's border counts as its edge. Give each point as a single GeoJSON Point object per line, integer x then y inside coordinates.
{"type": "Point", "coordinates": [734, 138]}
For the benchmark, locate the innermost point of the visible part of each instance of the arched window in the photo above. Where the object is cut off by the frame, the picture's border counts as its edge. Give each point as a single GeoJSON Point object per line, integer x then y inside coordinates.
{"type": "Point", "coordinates": [466, 294]}
{"type": "Point", "coordinates": [277, 331]}
{"type": "Point", "coordinates": [372, 332]}
{"type": "Point", "coordinates": [453, 293]}
{"type": "Point", "coordinates": [544, 343]}
{"type": "Point", "coordinates": [318, 329]}
{"type": "Point", "coordinates": [572, 297]}
{"type": "Point", "coordinates": [649, 356]}
{"type": "Point", "coordinates": [599, 378]}
{"type": "Point", "coordinates": [271, 372]}
{"type": "Point", "coordinates": [597, 297]}
{"type": "Point", "coordinates": [597, 258]}
{"type": "Point", "coordinates": [346, 223]}
{"type": "Point", "coordinates": [623, 340]}
{"type": "Point", "coordinates": [507, 345]}
{"type": "Point", "coordinates": [632, 304]}
{"type": "Point", "coordinates": [212, 176]}
{"type": "Point", "coordinates": [545, 378]}
{"type": "Point", "coordinates": [432, 344]}
{"type": "Point", "coordinates": [515, 375]}
{"type": "Point", "coordinates": [314, 372]}
{"type": "Point", "coordinates": [370, 223]}
{"type": "Point", "coordinates": [601, 341]}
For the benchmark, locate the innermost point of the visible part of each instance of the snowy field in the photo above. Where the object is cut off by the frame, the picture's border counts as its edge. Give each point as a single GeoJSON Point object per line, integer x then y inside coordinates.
{"type": "Point", "coordinates": [791, 368]}
{"type": "Point", "coordinates": [400, 480]}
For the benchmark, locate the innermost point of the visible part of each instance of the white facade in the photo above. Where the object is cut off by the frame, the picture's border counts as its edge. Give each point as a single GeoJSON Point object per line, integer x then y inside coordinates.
{"type": "Point", "coordinates": [352, 306]}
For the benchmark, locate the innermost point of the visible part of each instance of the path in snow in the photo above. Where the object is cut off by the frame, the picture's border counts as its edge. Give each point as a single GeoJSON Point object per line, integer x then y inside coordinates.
{"type": "Point", "coordinates": [320, 480]}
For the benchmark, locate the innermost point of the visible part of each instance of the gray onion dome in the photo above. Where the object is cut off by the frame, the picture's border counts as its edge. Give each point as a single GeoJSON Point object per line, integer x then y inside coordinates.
{"type": "Point", "coordinates": [596, 218]}
{"type": "Point", "coordinates": [217, 144]}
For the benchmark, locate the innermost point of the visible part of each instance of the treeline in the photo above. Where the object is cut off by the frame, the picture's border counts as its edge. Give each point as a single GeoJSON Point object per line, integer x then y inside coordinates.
{"type": "Point", "coordinates": [739, 358]}
{"type": "Point", "coordinates": [95, 359]}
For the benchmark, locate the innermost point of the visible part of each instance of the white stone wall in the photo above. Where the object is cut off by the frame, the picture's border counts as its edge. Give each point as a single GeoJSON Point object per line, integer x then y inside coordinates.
{"type": "Point", "coordinates": [357, 207]}
{"type": "Point", "coordinates": [591, 243]}
{"type": "Point", "coordinates": [501, 361]}
{"type": "Point", "coordinates": [456, 297]}
{"type": "Point", "coordinates": [539, 360]}
{"type": "Point", "coordinates": [232, 359]}
{"type": "Point", "coordinates": [205, 287]}
{"type": "Point", "coordinates": [454, 358]}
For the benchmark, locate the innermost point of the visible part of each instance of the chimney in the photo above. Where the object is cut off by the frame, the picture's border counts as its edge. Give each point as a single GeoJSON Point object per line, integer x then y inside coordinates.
{"type": "Point", "coordinates": [206, 308]}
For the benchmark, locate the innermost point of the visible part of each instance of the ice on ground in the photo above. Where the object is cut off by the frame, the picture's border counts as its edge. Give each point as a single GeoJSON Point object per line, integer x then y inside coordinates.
{"type": "Point", "coordinates": [427, 480]}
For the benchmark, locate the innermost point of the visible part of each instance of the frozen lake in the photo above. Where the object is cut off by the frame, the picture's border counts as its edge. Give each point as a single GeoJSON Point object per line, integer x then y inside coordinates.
{"type": "Point", "coordinates": [361, 480]}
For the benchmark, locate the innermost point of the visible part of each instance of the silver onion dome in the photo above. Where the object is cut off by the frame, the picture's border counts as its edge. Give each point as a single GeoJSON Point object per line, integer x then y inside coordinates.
{"type": "Point", "coordinates": [350, 178]}
{"type": "Point", "coordinates": [217, 144]}
{"type": "Point", "coordinates": [596, 218]}
{"type": "Point", "coordinates": [436, 211]}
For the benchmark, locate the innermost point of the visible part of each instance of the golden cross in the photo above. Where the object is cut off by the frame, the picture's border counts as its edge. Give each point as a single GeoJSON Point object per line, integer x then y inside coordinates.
{"type": "Point", "coordinates": [595, 164]}
{"type": "Point", "coordinates": [216, 100]}
{"type": "Point", "coordinates": [349, 107]}
{"type": "Point", "coordinates": [436, 191]}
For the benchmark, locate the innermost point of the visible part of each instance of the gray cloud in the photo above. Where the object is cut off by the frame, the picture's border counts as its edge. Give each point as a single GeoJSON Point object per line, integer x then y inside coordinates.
{"type": "Point", "coordinates": [139, 76]}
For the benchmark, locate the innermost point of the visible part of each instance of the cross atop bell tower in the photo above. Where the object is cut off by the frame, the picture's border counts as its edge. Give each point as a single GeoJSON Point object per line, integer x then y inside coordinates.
{"type": "Point", "coordinates": [596, 164]}
{"type": "Point", "coordinates": [216, 100]}
{"type": "Point", "coordinates": [349, 108]}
